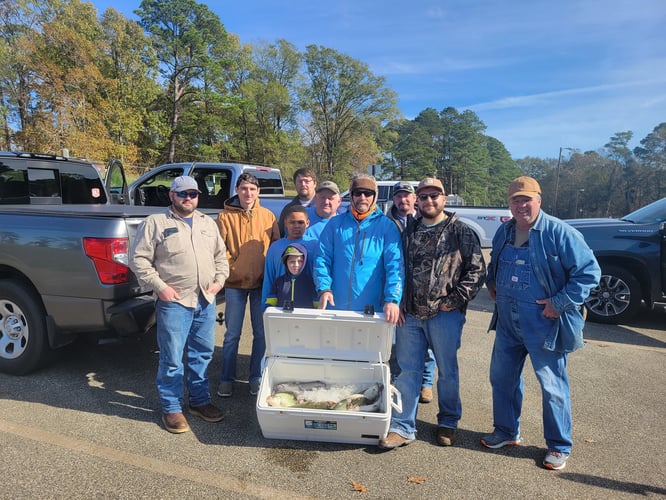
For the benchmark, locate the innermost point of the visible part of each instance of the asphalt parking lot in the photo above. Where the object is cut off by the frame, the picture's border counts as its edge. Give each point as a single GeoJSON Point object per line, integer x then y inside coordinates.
{"type": "Point", "coordinates": [88, 426]}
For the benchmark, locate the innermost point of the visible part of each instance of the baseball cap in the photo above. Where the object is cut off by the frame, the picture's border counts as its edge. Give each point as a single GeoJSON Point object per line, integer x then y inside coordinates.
{"type": "Point", "coordinates": [330, 185]}
{"type": "Point", "coordinates": [184, 183]}
{"type": "Point", "coordinates": [430, 182]}
{"type": "Point", "coordinates": [403, 186]}
{"type": "Point", "coordinates": [524, 186]}
{"type": "Point", "coordinates": [290, 250]}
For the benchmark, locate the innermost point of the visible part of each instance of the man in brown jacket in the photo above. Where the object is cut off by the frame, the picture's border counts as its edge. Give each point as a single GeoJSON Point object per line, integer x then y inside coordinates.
{"type": "Point", "coordinates": [248, 229]}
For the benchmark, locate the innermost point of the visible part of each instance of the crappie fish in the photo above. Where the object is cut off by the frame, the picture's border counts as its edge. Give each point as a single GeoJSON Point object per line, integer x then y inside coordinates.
{"type": "Point", "coordinates": [289, 400]}
{"type": "Point", "coordinates": [372, 393]}
{"type": "Point", "coordinates": [284, 399]}
{"type": "Point", "coordinates": [297, 387]}
{"type": "Point", "coordinates": [368, 401]}
{"type": "Point", "coordinates": [357, 402]}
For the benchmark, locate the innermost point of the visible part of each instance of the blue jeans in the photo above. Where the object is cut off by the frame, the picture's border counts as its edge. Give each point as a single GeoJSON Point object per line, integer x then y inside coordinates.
{"type": "Point", "coordinates": [521, 331]}
{"type": "Point", "coordinates": [236, 300]}
{"type": "Point", "coordinates": [443, 334]}
{"type": "Point", "coordinates": [179, 329]}
{"type": "Point", "coordinates": [429, 368]}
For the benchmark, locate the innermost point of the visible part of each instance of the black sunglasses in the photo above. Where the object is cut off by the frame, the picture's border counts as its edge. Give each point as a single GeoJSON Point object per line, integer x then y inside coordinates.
{"type": "Point", "coordinates": [432, 196]}
{"type": "Point", "coordinates": [185, 194]}
{"type": "Point", "coordinates": [363, 192]}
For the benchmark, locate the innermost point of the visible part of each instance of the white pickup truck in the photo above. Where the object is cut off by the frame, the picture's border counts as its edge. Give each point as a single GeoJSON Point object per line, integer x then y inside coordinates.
{"type": "Point", "coordinates": [484, 221]}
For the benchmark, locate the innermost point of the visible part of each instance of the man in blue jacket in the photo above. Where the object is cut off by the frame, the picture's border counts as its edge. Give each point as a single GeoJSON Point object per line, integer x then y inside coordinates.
{"type": "Point", "coordinates": [360, 256]}
{"type": "Point", "coordinates": [540, 273]}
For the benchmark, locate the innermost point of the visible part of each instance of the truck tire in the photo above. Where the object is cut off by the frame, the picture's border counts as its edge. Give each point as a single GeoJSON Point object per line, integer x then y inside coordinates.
{"type": "Point", "coordinates": [23, 340]}
{"type": "Point", "coordinates": [616, 299]}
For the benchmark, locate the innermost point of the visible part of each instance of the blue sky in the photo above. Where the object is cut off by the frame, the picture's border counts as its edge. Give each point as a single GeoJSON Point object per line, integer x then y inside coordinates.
{"type": "Point", "coordinates": [541, 74]}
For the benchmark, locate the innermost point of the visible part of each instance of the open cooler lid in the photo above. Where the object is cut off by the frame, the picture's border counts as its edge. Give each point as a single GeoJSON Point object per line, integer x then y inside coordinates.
{"type": "Point", "coordinates": [327, 334]}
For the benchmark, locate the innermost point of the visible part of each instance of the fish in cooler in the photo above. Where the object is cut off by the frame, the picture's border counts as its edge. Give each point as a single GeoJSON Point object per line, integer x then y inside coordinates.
{"type": "Point", "coordinates": [321, 396]}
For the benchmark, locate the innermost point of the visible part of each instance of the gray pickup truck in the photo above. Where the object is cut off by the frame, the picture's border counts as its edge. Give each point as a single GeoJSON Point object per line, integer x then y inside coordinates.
{"type": "Point", "coordinates": [64, 241]}
{"type": "Point", "coordinates": [63, 258]}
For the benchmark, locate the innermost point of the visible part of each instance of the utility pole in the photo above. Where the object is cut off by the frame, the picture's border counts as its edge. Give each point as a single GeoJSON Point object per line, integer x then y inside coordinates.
{"type": "Point", "coordinates": [557, 181]}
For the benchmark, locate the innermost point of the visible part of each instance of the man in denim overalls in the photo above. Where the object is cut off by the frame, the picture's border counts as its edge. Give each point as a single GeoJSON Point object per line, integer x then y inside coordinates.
{"type": "Point", "coordinates": [540, 273]}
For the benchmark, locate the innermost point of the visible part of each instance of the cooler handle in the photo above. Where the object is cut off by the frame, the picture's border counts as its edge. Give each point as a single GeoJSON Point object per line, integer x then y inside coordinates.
{"type": "Point", "coordinates": [397, 404]}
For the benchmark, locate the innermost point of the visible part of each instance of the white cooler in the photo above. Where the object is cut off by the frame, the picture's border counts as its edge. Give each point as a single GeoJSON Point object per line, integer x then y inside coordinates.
{"type": "Point", "coordinates": [335, 347]}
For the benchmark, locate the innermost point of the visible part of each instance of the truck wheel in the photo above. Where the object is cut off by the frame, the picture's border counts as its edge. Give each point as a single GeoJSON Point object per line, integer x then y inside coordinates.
{"type": "Point", "coordinates": [23, 340]}
{"type": "Point", "coordinates": [616, 299]}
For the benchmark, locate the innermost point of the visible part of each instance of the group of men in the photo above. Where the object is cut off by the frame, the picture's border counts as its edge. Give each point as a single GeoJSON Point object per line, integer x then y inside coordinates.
{"type": "Point", "coordinates": [420, 265]}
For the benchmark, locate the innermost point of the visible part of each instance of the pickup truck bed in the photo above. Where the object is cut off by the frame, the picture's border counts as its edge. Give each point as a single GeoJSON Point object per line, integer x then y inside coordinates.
{"type": "Point", "coordinates": [63, 272]}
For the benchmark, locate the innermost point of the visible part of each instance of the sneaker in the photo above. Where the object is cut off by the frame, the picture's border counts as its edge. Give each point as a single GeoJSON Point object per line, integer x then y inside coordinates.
{"type": "Point", "coordinates": [254, 387]}
{"type": "Point", "coordinates": [555, 460]}
{"type": "Point", "coordinates": [225, 389]}
{"type": "Point", "coordinates": [209, 412]}
{"type": "Point", "coordinates": [445, 436]}
{"type": "Point", "coordinates": [426, 395]}
{"type": "Point", "coordinates": [175, 423]}
{"type": "Point", "coordinates": [393, 440]}
{"type": "Point", "coordinates": [494, 441]}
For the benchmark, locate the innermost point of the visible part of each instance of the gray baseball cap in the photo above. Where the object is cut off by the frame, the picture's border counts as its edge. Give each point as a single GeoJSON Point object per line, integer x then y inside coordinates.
{"type": "Point", "coordinates": [184, 183]}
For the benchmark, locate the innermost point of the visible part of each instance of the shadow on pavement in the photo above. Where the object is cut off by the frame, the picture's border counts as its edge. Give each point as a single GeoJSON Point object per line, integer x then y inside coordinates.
{"type": "Point", "coordinates": [611, 484]}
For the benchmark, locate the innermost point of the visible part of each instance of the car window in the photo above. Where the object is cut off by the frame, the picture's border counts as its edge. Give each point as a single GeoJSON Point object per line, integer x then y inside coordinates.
{"type": "Point", "coordinates": [654, 213]}
{"type": "Point", "coordinates": [154, 191]}
{"type": "Point", "coordinates": [43, 182]}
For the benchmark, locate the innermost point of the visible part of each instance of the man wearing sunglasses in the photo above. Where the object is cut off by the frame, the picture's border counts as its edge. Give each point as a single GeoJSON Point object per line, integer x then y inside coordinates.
{"type": "Point", "coordinates": [180, 255]}
{"type": "Point", "coordinates": [444, 270]}
{"type": "Point", "coordinates": [404, 208]}
{"type": "Point", "coordinates": [360, 256]}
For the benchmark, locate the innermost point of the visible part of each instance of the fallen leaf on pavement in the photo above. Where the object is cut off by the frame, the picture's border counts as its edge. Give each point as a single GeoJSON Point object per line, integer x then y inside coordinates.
{"type": "Point", "coordinates": [359, 487]}
{"type": "Point", "coordinates": [417, 480]}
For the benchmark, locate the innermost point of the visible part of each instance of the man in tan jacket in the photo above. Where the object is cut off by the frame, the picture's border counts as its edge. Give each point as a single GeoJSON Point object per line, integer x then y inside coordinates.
{"type": "Point", "coordinates": [247, 229]}
{"type": "Point", "coordinates": [179, 255]}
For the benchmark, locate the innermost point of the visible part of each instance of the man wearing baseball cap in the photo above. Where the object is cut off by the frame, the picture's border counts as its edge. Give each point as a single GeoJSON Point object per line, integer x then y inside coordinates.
{"type": "Point", "coordinates": [180, 255]}
{"type": "Point", "coordinates": [542, 268]}
{"type": "Point", "coordinates": [403, 208]}
{"type": "Point", "coordinates": [444, 270]}
{"type": "Point", "coordinates": [326, 203]}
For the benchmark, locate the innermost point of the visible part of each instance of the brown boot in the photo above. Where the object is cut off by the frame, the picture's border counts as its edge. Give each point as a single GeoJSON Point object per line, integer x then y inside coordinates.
{"type": "Point", "coordinates": [175, 423]}
{"type": "Point", "coordinates": [209, 412]}
{"type": "Point", "coordinates": [426, 395]}
{"type": "Point", "coordinates": [445, 436]}
{"type": "Point", "coordinates": [393, 440]}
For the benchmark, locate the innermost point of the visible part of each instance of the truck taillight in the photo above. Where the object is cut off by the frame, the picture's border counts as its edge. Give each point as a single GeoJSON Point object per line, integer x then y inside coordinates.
{"type": "Point", "coordinates": [110, 256]}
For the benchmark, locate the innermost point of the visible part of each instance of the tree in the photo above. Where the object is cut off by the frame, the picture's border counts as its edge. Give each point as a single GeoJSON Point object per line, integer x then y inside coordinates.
{"type": "Point", "coordinates": [342, 98]}
{"type": "Point", "coordinates": [185, 34]}
{"type": "Point", "coordinates": [65, 91]}
{"type": "Point", "coordinates": [129, 65]}
{"type": "Point", "coordinates": [652, 155]}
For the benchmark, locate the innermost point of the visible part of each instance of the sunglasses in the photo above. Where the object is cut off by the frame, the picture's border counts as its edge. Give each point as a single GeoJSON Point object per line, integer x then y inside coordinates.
{"type": "Point", "coordinates": [362, 192]}
{"type": "Point", "coordinates": [186, 194]}
{"type": "Point", "coordinates": [432, 196]}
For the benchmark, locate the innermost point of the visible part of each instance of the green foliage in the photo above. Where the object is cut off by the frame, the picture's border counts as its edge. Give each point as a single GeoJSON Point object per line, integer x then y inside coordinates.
{"type": "Point", "coordinates": [451, 146]}
{"type": "Point", "coordinates": [342, 100]}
